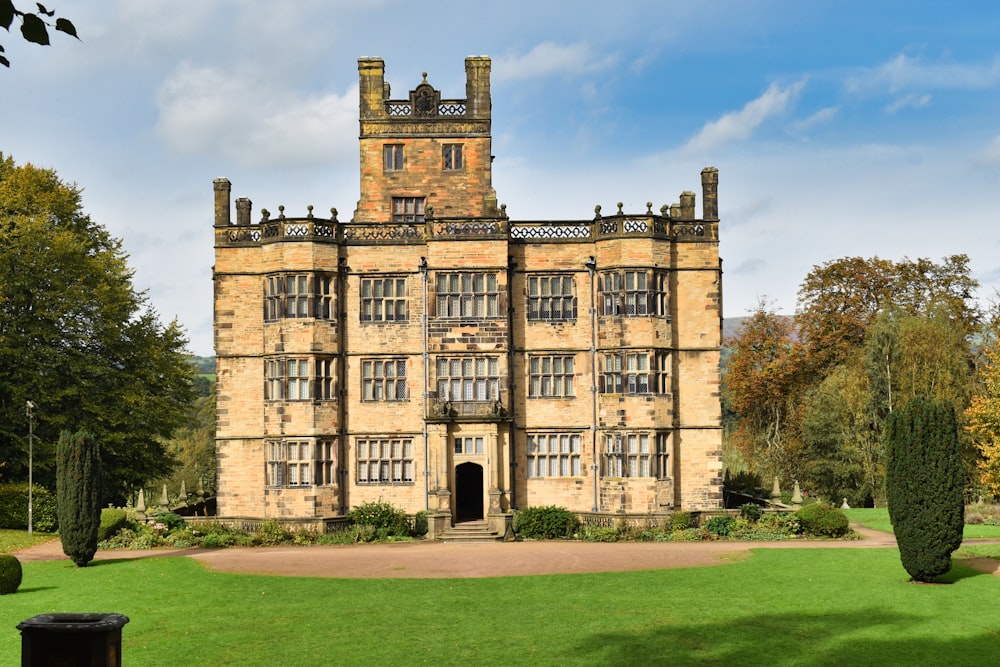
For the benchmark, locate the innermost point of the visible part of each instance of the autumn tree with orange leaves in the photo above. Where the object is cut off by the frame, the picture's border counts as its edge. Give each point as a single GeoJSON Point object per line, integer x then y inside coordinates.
{"type": "Point", "coordinates": [983, 415]}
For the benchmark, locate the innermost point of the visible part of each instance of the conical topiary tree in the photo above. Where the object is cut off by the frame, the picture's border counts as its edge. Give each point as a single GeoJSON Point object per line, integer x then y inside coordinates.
{"type": "Point", "coordinates": [78, 491]}
{"type": "Point", "coordinates": [924, 486]}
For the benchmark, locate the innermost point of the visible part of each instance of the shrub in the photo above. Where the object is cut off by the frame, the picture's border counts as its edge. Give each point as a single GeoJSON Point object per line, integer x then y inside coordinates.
{"type": "Point", "coordinates": [78, 491]}
{"type": "Point", "coordinates": [720, 526]}
{"type": "Point", "coordinates": [751, 511]}
{"type": "Point", "coordinates": [924, 486]}
{"type": "Point", "coordinates": [113, 519]}
{"type": "Point", "coordinates": [14, 508]}
{"type": "Point", "coordinates": [271, 533]}
{"type": "Point", "coordinates": [170, 520]}
{"type": "Point", "coordinates": [680, 521]}
{"type": "Point", "coordinates": [10, 574]}
{"type": "Point", "coordinates": [973, 519]}
{"type": "Point", "coordinates": [823, 520]}
{"type": "Point", "coordinates": [600, 534]}
{"type": "Point", "coordinates": [420, 523]}
{"type": "Point", "coordinates": [385, 518]}
{"type": "Point", "coordinates": [546, 522]}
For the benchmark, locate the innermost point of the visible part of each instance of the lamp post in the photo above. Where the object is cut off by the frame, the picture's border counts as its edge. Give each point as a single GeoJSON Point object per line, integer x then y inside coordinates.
{"type": "Point", "coordinates": [29, 406]}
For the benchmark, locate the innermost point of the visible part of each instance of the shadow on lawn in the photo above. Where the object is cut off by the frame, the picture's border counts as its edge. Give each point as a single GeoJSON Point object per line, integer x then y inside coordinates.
{"type": "Point", "coordinates": [815, 638]}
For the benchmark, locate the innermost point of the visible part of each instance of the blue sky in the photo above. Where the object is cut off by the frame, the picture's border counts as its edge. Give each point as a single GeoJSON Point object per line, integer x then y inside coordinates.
{"type": "Point", "coordinates": [839, 128]}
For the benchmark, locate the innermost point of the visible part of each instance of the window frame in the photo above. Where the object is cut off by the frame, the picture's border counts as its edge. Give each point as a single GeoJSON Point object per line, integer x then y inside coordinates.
{"type": "Point", "coordinates": [543, 307]}
{"type": "Point", "coordinates": [390, 466]}
{"type": "Point", "coordinates": [393, 157]}
{"type": "Point", "coordinates": [452, 158]}
{"type": "Point", "coordinates": [635, 372]}
{"type": "Point", "coordinates": [481, 383]}
{"type": "Point", "coordinates": [634, 293]}
{"type": "Point", "coordinates": [300, 462]}
{"type": "Point", "coordinates": [628, 454]}
{"type": "Point", "coordinates": [376, 302]}
{"type": "Point", "coordinates": [467, 295]}
{"type": "Point", "coordinates": [298, 296]}
{"type": "Point", "coordinates": [300, 378]}
{"type": "Point", "coordinates": [554, 455]}
{"type": "Point", "coordinates": [409, 209]}
{"type": "Point", "coordinates": [551, 376]}
{"type": "Point", "coordinates": [379, 375]}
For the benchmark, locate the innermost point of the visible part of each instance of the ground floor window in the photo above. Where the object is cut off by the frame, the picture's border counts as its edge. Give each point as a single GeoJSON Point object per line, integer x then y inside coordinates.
{"type": "Point", "coordinates": [627, 455]}
{"type": "Point", "coordinates": [384, 460]}
{"type": "Point", "coordinates": [554, 455]}
{"type": "Point", "coordinates": [301, 462]}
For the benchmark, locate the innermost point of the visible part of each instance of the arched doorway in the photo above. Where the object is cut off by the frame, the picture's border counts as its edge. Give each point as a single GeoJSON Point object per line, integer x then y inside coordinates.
{"type": "Point", "coordinates": [468, 492]}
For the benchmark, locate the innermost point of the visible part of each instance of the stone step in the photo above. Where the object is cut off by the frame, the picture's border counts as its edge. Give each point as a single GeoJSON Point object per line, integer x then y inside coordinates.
{"type": "Point", "coordinates": [470, 531]}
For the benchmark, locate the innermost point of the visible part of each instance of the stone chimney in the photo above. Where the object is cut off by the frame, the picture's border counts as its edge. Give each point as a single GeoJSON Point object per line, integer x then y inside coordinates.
{"type": "Point", "coordinates": [243, 208]}
{"type": "Point", "coordinates": [687, 205]}
{"type": "Point", "coordinates": [222, 189]}
{"type": "Point", "coordinates": [710, 193]}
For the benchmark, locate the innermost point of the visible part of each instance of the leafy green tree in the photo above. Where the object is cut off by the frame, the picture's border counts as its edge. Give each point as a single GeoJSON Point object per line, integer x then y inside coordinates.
{"type": "Point", "coordinates": [34, 25]}
{"type": "Point", "coordinates": [924, 484]}
{"type": "Point", "coordinates": [762, 386]}
{"type": "Point", "coordinates": [79, 341]}
{"type": "Point", "coordinates": [983, 415]}
{"type": "Point", "coordinates": [78, 495]}
{"type": "Point", "coordinates": [839, 300]}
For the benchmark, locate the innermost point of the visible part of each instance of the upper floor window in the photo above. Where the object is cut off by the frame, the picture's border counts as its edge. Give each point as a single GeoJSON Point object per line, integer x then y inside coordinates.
{"type": "Point", "coordinates": [408, 209]}
{"type": "Point", "coordinates": [451, 157]}
{"type": "Point", "coordinates": [299, 379]}
{"type": "Point", "coordinates": [551, 298]}
{"type": "Point", "coordinates": [383, 379]}
{"type": "Point", "coordinates": [550, 376]}
{"type": "Point", "coordinates": [634, 293]}
{"type": "Point", "coordinates": [469, 295]}
{"type": "Point", "coordinates": [301, 462]}
{"type": "Point", "coordinates": [635, 373]}
{"type": "Point", "coordinates": [298, 295]}
{"type": "Point", "coordinates": [468, 378]}
{"type": "Point", "coordinates": [662, 455]}
{"type": "Point", "coordinates": [392, 157]}
{"type": "Point", "coordinates": [383, 300]}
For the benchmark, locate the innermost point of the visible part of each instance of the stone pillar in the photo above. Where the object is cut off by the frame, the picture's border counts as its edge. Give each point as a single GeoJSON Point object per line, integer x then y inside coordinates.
{"type": "Point", "coordinates": [477, 87]}
{"type": "Point", "coordinates": [243, 208]}
{"type": "Point", "coordinates": [372, 88]}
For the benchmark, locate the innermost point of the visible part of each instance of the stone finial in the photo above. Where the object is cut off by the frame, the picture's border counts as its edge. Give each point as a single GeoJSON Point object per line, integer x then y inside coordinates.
{"type": "Point", "coordinates": [597, 212]}
{"type": "Point", "coordinates": [797, 495]}
{"type": "Point", "coordinates": [140, 503]}
{"type": "Point", "coordinates": [281, 211]}
{"type": "Point", "coordinates": [310, 211]}
{"type": "Point", "coordinates": [429, 212]}
{"type": "Point", "coordinates": [333, 215]}
{"type": "Point", "coordinates": [164, 498]}
{"type": "Point", "coordinates": [775, 490]}
{"type": "Point", "coordinates": [265, 215]}
{"type": "Point", "coordinates": [664, 210]}
{"type": "Point", "coordinates": [844, 505]}
{"type": "Point", "coordinates": [503, 210]}
{"type": "Point", "coordinates": [201, 489]}
{"type": "Point", "coordinates": [620, 206]}
{"type": "Point", "coordinates": [649, 208]}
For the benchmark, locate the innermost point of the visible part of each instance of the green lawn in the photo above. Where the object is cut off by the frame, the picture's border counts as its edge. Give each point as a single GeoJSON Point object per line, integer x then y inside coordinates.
{"type": "Point", "coordinates": [12, 540]}
{"type": "Point", "coordinates": [878, 519]}
{"type": "Point", "coordinates": [780, 607]}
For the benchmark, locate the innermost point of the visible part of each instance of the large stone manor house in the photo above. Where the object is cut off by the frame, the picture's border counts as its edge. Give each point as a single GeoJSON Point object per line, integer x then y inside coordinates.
{"type": "Point", "coordinates": [433, 353]}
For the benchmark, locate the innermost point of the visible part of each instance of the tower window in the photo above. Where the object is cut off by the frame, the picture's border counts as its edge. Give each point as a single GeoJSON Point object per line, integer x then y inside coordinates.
{"type": "Point", "coordinates": [392, 156]}
{"type": "Point", "coordinates": [452, 157]}
{"type": "Point", "coordinates": [407, 209]}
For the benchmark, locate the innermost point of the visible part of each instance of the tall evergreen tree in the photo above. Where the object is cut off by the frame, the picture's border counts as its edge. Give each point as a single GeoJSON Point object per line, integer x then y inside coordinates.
{"type": "Point", "coordinates": [78, 495]}
{"type": "Point", "coordinates": [924, 486]}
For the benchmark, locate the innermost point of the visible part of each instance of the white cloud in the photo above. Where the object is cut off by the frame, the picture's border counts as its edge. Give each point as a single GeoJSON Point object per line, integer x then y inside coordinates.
{"type": "Point", "coordinates": [821, 117]}
{"type": "Point", "coordinates": [204, 110]}
{"type": "Point", "coordinates": [990, 155]}
{"type": "Point", "coordinates": [547, 59]}
{"type": "Point", "coordinates": [913, 100]}
{"type": "Point", "coordinates": [740, 125]}
{"type": "Point", "coordinates": [906, 73]}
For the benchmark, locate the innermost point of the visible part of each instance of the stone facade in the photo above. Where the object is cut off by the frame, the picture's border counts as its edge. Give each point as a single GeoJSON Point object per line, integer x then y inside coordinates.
{"type": "Point", "coordinates": [437, 355]}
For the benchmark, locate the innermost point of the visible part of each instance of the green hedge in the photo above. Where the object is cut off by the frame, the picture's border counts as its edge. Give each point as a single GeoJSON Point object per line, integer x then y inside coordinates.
{"type": "Point", "coordinates": [546, 522]}
{"type": "Point", "coordinates": [14, 508]}
{"type": "Point", "coordinates": [10, 574]}
{"type": "Point", "coordinates": [823, 520]}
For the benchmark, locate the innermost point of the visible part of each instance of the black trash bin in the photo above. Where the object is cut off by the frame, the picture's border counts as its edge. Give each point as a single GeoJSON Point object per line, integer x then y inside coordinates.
{"type": "Point", "coordinates": [72, 640]}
